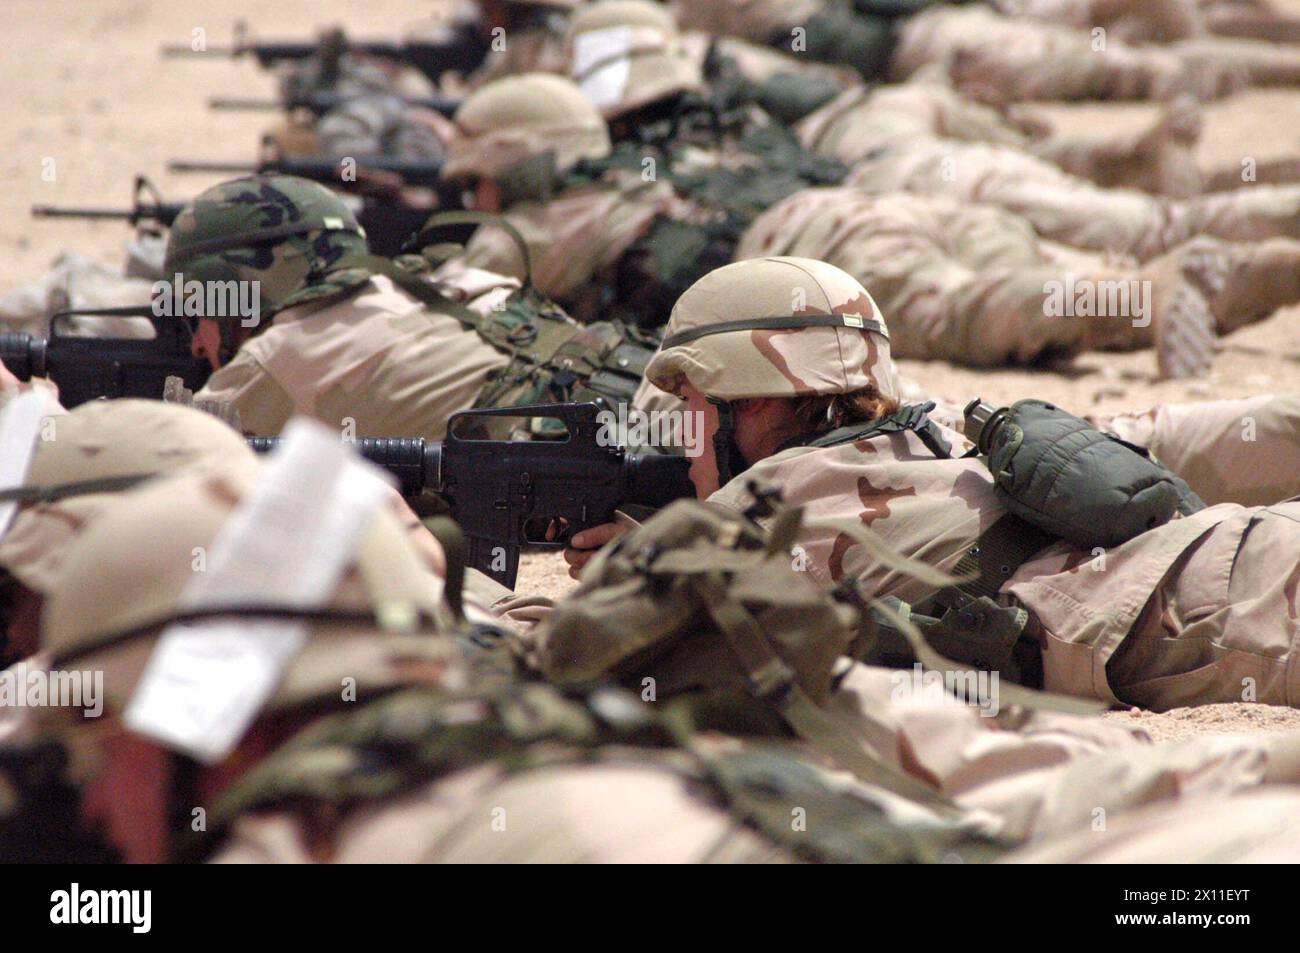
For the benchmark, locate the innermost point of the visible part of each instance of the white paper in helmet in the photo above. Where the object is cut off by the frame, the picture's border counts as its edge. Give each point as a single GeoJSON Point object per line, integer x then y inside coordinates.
{"type": "Point", "coordinates": [287, 543]}
{"type": "Point", "coordinates": [20, 424]}
{"type": "Point", "coordinates": [602, 64]}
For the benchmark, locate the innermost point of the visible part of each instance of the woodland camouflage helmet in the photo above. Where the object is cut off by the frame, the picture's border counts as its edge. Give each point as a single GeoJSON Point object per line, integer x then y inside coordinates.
{"type": "Point", "coordinates": [626, 54]}
{"type": "Point", "coordinates": [523, 119]}
{"type": "Point", "coordinates": [294, 237]}
{"type": "Point", "coordinates": [775, 327]}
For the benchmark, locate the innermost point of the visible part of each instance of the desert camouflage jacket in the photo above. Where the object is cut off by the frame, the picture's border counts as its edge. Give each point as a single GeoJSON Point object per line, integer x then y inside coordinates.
{"type": "Point", "coordinates": [933, 510]}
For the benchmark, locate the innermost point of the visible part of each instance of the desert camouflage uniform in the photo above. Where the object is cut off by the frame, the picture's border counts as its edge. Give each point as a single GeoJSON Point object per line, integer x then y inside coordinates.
{"type": "Point", "coordinates": [532, 41]}
{"type": "Point", "coordinates": [1188, 27]}
{"type": "Point", "coordinates": [625, 232]}
{"type": "Point", "coordinates": [76, 281]}
{"type": "Point", "coordinates": [448, 757]}
{"type": "Point", "coordinates": [1198, 610]}
{"type": "Point", "coordinates": [444, 755]}
{"type": "Point", "coordinates": [997, 59]}
{"type": "Point", "coordinates": [1071, 210]}
{"type": "Point", "coordinates": [527, 775]}
{"type": "Point", "coordinates": [1230, 451]}
{"type": "Point", "coordinates": [1252, 827]}
{"type": "Point", "coordinates": [1154, 155]}
{"type": "Point", "coordinates": [378, 362]}
{"type": "Point", "coordinates": [1019, 773]}
{"type": "Point", "coordinates": [971, 283]}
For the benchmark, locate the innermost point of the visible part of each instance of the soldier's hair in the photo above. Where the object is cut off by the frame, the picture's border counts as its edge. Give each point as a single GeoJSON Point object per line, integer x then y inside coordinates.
{"type": "Point", "coordinates": [825, 412]}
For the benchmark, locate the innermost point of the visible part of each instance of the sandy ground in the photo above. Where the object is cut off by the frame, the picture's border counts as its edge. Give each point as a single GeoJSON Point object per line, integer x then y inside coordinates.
{"type": "Point", "coordinates": [89, 97]}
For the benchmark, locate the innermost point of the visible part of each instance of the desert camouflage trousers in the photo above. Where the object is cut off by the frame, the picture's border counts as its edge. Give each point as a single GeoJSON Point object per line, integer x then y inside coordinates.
{"type": "Point", "coordinates": [1243, 451]}
{"type": "Point", "coordinates": [999, 59]}
{"type": "Point", "coordinates": [1073, 211]}
{"type": "Point", "coordinates": [1151, 151]}
{"type": "Point", "coordinates": [975, 285]}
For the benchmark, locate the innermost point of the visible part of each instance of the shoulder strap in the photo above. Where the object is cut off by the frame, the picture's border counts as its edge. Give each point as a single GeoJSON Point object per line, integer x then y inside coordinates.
{"type": "Point", "coordinates": [771, 680]}
{"type": "Point", "coordinates": [466, 217]}
{"type": "Point", "coordinates": [913, 417]}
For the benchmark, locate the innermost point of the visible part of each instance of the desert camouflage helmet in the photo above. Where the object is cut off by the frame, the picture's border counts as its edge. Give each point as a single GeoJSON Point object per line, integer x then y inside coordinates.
{"type": "Point", "coordinates": [516, 119]}
{"type": "Point", "coordinates": [101, 448]}
{"type": "Point", "coordinates": [775, 327]}
{"type": "Point", "coordinates": [110, 611]}
{"type": "Point", "coordinates": [294, 237]}
{"type": "Point", "coordinates": [626, 54]}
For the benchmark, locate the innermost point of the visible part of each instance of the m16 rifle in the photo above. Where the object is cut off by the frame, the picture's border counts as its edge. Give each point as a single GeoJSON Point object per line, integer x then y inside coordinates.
{"type": "Point", "coordinates": [461, 47]}
{"type": "Point", "coordinates": [319, 103]}
{"type": "Point", "coordinates": [388, 223]}
{"type": "Point", "coordinates": [148, 206]}
{"type": "Point", "coordinates": [340, 172]}
{"type": "Point", "coordinates": [86, 368]}
{"type": "Point", "coordinates": [505, 494]}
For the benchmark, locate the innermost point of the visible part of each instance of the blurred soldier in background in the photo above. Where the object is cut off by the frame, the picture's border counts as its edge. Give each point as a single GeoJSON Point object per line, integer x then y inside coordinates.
{"type": "Point", "coordinates": [999, 59]}
{"type": "Point", "coordinates": [366, 344]}
{"type": "Point", "coordinates": [623, 230]}
{"type": "Point", "coordinates": [975, 285]}
{"type": "Point", "coordinates": [1154, 155]}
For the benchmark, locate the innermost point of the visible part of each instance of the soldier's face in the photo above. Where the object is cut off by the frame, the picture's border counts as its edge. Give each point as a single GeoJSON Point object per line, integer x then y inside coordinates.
{"type": "Point", "coordinates": [704, 467]}
{"type": "Point", "coordinates": [206, 343]}
{"type": "Point", "coordinates": [763, 426]}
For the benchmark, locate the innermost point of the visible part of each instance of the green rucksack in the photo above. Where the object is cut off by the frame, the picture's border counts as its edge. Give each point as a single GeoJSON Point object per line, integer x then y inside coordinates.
{"type": "Point", "coordinates": [701, 599]}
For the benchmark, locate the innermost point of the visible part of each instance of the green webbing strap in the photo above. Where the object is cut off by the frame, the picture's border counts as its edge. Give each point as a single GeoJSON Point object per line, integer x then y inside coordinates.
{"type": "Point", "coordinates": [1009, 693]}
{"type": "Point", "coordinates": [439, 219]}
{"type": "Point", "coordinates": [790, 322]}
{"type": "Point", "coordinates": [772, 681]}
{"type": "Point", "coordinates": [996, 555]}
{"type": "Point", "coordinates": [52, 494]}
{"type": "Point", "coordinates": [422, 291]}
{"type": "Point", "coordinates": [456, 551]}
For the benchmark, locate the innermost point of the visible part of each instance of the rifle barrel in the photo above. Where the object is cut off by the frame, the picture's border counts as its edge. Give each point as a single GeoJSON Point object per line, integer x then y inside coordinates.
{"type": "Point", "coordinates": [198, 165]}
{"type": "Point", "coordinates": [259, 105]}
{"type": "Point", "coordinates": [184, 49]}
{"type": "Point", "coordinates": [60, 211]}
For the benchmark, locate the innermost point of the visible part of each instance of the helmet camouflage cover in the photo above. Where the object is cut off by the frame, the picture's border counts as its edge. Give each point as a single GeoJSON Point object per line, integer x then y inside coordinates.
{"type": "Point", "coordinates": [292, 236]}
{"type": "Point", "coordinates": [99, 441]}
{"type": "Point", "coordinates": [110, 611]}
{"type": "Point", "coordinates": [516, 119]}
{"type": "Point", "coordinates": [775, 327]}
{"type": "Point", "coordinates": [626, 54]}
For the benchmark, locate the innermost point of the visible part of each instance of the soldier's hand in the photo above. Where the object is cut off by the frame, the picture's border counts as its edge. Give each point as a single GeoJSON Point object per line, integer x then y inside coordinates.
{"type": "Point", "coordinates": [585, 544]}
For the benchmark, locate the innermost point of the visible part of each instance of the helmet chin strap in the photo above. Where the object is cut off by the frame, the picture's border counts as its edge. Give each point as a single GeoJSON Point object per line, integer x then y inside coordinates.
{"type": "Point", "coordinates": [726, 453]}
